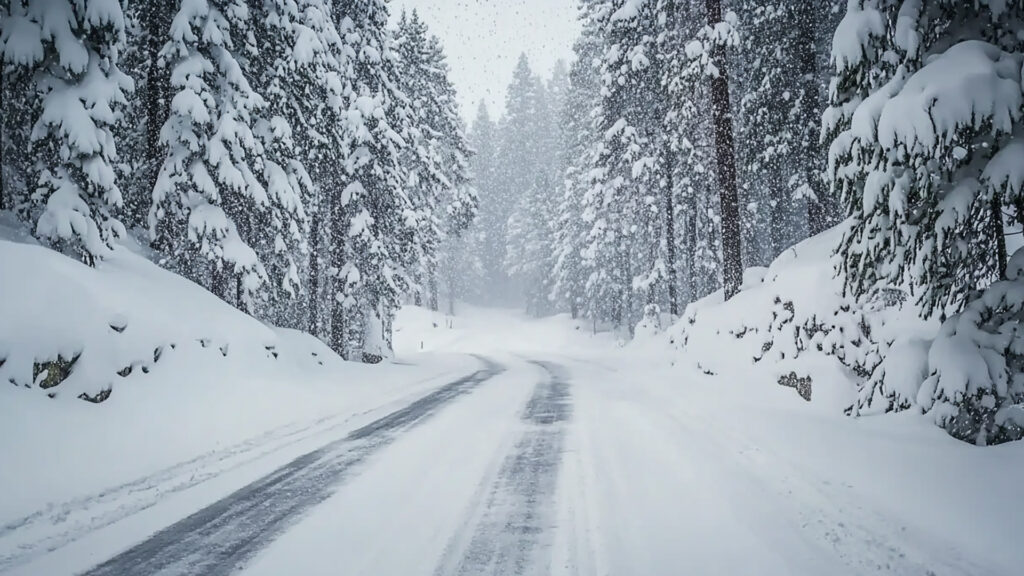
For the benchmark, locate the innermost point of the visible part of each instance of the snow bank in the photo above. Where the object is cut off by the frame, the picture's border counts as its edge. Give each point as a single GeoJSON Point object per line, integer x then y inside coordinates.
{"type": "Point", "coordinates": [75, 332]}
{"type": "Point", "coordinates": [170, 371]}
{"type": "Point", "coordinates": [792, 326]}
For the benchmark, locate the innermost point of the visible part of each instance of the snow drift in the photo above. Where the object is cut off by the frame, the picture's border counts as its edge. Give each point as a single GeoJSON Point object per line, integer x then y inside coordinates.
{"type": "Point", "coordinates": [792, 325]}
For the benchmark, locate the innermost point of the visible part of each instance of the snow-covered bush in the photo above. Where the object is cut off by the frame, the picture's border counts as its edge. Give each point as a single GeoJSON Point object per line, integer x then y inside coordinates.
{"type": "Point", "coordinates": [925, 126]}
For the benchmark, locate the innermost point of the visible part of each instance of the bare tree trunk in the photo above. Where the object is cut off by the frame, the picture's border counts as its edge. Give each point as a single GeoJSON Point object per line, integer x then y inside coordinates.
{"type": "Point", "coordinates": [432, 284]}
{"type": "Point", "coordinates": [670, 247]}
{"type": "Point", "coordinates": [732, 251]}
{"type": "Point", "coordinates": [3, 135]}
{"type": "Point", "coordinates": [336, 250]}
{"type": "Point", "coordinates": [338, 329]}
{"type": "Point", "coordinates": [314, 271]}
{"type": "Point", "coordinates": [157, 23]}
{"type": "Point", "coordinates": [811, 109]}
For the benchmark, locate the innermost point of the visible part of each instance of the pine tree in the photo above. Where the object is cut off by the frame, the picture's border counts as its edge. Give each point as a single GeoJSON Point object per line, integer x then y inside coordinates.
{"type": "Point", "coordinates": [493, 217]}
{"type": "Point", "coordinates": [569, 271]}
{"type": "Point", "coordinates": [73, 50]}
{"type": "Point", "coordinates": [928, 165]}
{"type": "Point", "coordinates": [438, 156]}
{"type": "Point", "coordinates": [522, 184]}
{"type": "Point", "coordinates": [717, 35]}
{"type": "Point", "coordinates": [208, 194]}
{"type": "Point", "coordinates": [631, 204]}
{"type": "Point", "coordinates": [372, 242]}
{"type": "Point", "coordinates": [294, 61]}
{"type": "Point", "coordinates": [321, 63]}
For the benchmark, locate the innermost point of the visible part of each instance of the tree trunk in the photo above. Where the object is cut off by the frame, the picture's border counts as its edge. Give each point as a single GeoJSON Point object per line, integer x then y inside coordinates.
{"type": "Point", "coordinates": [220, 284]}
{"type": "Point", "coordinates": [336, 250]}
{"type": "Point", "coordinates": [670, 247]}
{"type": "Point", "coordinates": [314, 270]}
{"type": "Point", "coordinates": [338, 328]}
{"type": "Point", "coordinates": [157, 23]}
{"type": "Point", "coordinates": [3, 136]}
{"type": "Point", "coordinates": [691, 243]}
{"type": "Point", "coordinates": [810, 115]}
{"type": "Point", "coordinates": [1000, 234]}
{"type": "Point", "coordinates": [732, 251]}
{"type": "Point", "coordinates": [432, 284]}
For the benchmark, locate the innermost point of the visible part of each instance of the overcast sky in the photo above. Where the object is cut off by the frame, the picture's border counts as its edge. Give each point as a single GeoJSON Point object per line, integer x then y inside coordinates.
{"type": "Point", "coordinates": [483, 40]}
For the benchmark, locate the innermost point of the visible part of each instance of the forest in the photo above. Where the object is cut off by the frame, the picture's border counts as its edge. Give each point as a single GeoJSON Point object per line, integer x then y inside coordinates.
{"type": "Point", "coordinates": [306, 162]}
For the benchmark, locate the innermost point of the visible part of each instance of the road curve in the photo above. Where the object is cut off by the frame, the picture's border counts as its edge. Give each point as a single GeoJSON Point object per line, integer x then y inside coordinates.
{"type": "Point", "coordinates": [513, 536]}
{"type": "Point", "coordinates": [220, 539]}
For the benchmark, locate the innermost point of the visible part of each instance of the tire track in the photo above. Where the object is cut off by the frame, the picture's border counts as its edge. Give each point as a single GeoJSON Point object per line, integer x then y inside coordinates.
{"type": "Point", "coordinates": [222, 537]}
{"type": "Point", "coordinates": [512, 536]}
{"type": "Point", "coordinates": [59, 524]}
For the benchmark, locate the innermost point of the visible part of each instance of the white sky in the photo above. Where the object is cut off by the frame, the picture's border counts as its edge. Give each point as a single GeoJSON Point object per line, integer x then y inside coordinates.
{"type": "Point", "coordinates": [483, 40]}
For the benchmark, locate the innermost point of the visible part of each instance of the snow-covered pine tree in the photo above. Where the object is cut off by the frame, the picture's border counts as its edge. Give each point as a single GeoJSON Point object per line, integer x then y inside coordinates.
{"type": "Point", "coordinates": [17, 93]}
{"type": "Point", "coordinates": [321, 62]}
{"type": "Point", "coordinates": [72, 49]}
{"type": "Point", "coordinates": [294, 59]}
{"type": "Point", "coordinates": [460, 201]}
{"type": "Point", "coordinates": [142, 152]}
{"type": "Point", "coordinates": [483, 138]}
{"type": "Point", "coordinates": [766, 82]}
{"type": "Point", "coordinates": [208, 194]}
{"type": "Point", "coordinates": [630, 204]}
{"type": "Point", "coordinates": [372, 240]}
{"type": "Point", "coordinates": [569, 273]}
{"type": "Point", "coordinates": [530, 125]}
{"type": "Point", "coordinates": [926, 119]}
{"type": "Point", "coordinates": [524, 182]}
{"type": "Point", "coordinates": [437, 159]}
{"type": "Point", "coordinates": [690, 138]}
{"type": "Point", "coordinates": [708, 51]}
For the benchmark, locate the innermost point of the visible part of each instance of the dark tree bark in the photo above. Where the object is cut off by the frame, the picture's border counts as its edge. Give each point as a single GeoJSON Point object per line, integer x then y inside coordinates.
{"type": "Point", "coordinates": [314, 271]}
{"type": "Point", "coordinates": [157, 22]}
{"type": "Point", "coordinates": [670, 245]}
{"type": "Point", "coordinates": [725, 152]}
{"type": "Point", "coordinates": [432, 284]}
{"type": "Point", "coordinates": [999, 233]}
{"type": "Point", "coordinates": [336, 249]}
{"type": "Point", "coordinates": [3, 136]}
{"type": "Point", "coordinates": [810, 114]}
{"type": "Point", "coordinates": [691, 243]}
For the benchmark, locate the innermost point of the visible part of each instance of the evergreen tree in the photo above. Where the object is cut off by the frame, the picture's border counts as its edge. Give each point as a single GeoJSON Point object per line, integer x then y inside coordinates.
{"type": "Point", "coordinates": [208, 194]}
{"type": "Point", "coordinates": [493, 216]}
{"type": "Point", "coordinates": [630, 204]}
{"type": "Point", "coordinates": [523, 181]}
{"type": "Point", "coordinates": [72, 49]}
{"type": "Point", "coordinates": [438, 157]}
{"type": "Point", "coordinates": [373, 244]}
{"type": "Point", "coordinates": [928, 165]}
{"type": "Point", "coordinates": [569, 271]}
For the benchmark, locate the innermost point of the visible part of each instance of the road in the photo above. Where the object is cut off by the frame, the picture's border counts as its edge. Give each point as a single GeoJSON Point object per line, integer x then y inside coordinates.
{"type": "Point", "coordinates": [547, 465]}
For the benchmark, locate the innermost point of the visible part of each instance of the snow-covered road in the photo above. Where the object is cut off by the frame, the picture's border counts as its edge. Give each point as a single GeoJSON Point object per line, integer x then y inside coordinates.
{"type": "Point", "coordinates": [552, 459]}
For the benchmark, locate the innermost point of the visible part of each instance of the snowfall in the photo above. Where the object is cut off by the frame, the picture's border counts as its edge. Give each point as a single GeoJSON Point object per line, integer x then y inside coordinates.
{"type": "Point", "coordinates": [494, 443]}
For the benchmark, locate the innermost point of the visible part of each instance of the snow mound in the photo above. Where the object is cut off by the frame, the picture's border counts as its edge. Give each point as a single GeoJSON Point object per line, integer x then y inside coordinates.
{"type": "Point", "coordinates": [71, 331]}
{"type": "Point", "coordinates": [791, 325]}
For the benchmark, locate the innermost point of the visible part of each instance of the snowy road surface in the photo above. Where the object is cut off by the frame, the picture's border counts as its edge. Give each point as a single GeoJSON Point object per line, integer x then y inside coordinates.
{"type": "Point", "coordinates": [549, 460]}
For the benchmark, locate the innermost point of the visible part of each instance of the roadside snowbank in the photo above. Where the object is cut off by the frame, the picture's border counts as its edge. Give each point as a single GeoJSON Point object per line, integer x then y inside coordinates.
{"type": "Point", "coordinates": [176, 372]}
{"type": "Point", "coordinates": [792, 326]}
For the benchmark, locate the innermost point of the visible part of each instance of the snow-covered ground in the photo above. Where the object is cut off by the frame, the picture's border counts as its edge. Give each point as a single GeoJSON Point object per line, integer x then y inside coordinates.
{"type": "Point", "coordinates": [495, 444]}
